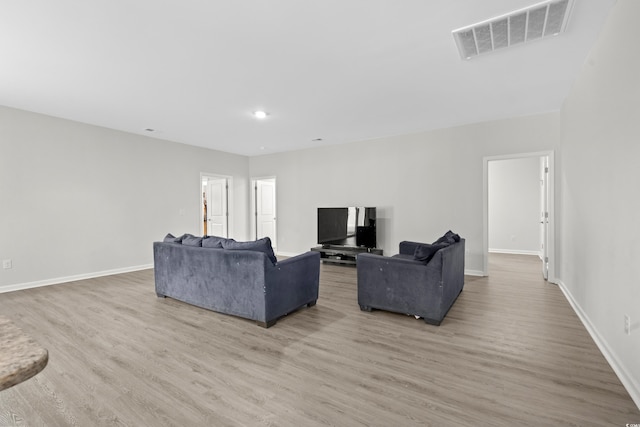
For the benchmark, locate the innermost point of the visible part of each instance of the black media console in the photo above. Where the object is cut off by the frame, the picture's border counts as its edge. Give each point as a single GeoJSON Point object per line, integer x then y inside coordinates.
{"type": "Point", "coordinates": [343, 254]}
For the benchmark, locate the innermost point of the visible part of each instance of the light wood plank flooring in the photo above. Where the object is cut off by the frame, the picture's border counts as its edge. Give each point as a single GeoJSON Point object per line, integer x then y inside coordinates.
{"type": "Point", "coordinates": [511, 351]}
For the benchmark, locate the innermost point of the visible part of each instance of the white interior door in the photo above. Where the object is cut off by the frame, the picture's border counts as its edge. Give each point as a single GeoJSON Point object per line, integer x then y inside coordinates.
{"type": "Point", "coordinates": [547, 222]}
{"type": "Point", "coordinates": [265, 190]}
{"type": "Point", "coordinates": [544, 215]}
{"type": "Point", "coordinates": [216, 194]}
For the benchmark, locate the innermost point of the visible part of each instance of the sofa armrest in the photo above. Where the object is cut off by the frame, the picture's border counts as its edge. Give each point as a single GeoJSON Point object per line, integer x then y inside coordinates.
{"type": "Point", "coordinates": [301, 258]}
{"type": "Point", "coordinates": [408, 248]}
{"type": "Point", "coordinates": [292, 283]}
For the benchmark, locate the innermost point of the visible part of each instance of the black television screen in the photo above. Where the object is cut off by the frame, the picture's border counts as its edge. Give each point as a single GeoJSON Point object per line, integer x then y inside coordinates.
{"type": "Point", "coordinates": [350, 226]}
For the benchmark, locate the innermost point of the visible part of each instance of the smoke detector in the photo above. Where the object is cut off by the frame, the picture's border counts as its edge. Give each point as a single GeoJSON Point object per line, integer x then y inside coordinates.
{"type": "Point", "coordinates": [535, 22]}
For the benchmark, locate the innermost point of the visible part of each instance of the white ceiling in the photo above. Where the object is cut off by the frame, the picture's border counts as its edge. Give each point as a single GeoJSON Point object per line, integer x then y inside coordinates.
{"type": "Point", "coordinates": [340, 70]}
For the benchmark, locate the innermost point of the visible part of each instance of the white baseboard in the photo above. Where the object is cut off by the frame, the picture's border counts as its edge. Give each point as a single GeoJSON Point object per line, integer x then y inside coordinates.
{"type": "Point", "coordinates": [632, 386]}
{"type": "Point", "coordinates": [513, 252]}
{"type": "Point", "coordinates": [474, 273]}
{"type": "Point", "coordinates": [58, 280]}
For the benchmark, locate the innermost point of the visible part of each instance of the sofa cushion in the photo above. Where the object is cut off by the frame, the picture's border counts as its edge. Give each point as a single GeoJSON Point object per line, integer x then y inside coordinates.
{"type": "Point", "coordinates": [260, 245]}
{"type": "Point", "coordinates": [191, 240]}
{"type": "Point", "coordinates": [425, 251]}
{"type": "Point", "coordinates": [448, 237]}
{"type": "Point", "coordinates": [213, 241]}
{"type": "Point", "coordinates": [170, 238]}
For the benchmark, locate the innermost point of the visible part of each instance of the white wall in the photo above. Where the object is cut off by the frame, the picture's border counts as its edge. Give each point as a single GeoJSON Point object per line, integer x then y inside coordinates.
{"type": "Point", "coordinates": [600, 230]}
{"type": "Point", "coordinates": [77, 199]}
{"type": "Point", "coordinates": [514, 205]}
{"type": "Point", "coordinates": [423, 184]}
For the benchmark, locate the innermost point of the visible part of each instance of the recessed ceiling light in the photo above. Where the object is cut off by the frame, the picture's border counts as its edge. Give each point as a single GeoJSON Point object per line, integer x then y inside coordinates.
{"type": "Point", "coordinates": [260, 114]}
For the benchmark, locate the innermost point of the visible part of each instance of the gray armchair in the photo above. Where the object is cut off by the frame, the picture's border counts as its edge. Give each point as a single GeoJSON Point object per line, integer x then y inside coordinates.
{"type": "Point", "coordinates": [403, 284]}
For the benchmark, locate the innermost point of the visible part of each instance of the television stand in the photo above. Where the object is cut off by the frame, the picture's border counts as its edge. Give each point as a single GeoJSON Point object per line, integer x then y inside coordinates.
{"type": "Point", "coordinates": [337, 254]}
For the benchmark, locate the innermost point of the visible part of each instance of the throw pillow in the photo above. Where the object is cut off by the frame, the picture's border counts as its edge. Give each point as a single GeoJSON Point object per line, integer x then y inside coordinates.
{"type": "Point", "coordinates": [213, 241]}
{"type": "Point", "coordinates": [425, 252]}
{"type": "Point", "coordinates": [191, 240]}
{"type": "Point", "coordinates": [170, 238]}
{"type": "Point", "coordinates": [448, 237]}
{"type": "Point", "coordinates": [260, 245]}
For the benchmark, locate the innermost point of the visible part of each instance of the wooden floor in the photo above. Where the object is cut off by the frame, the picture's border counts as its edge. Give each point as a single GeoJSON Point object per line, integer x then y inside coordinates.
{"type": "Point", "coordinates": [510, 352]}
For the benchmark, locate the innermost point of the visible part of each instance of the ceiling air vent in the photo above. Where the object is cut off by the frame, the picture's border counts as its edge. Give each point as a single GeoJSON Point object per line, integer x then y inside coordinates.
{"type": "Point", "coordinates": [525, 25]}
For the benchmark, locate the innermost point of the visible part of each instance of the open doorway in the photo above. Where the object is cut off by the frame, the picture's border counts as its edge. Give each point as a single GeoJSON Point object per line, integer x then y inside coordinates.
{"type": "Point", "coordinates": [263, 203]}
{"type": "Point", "coordinates": [214, 203]}
{"type": "Point", "coordinates": [518, 208]}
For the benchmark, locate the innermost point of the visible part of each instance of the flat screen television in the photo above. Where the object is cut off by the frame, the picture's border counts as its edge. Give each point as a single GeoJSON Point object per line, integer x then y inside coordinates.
{"type": "Point", "coordinates": [348, 226]}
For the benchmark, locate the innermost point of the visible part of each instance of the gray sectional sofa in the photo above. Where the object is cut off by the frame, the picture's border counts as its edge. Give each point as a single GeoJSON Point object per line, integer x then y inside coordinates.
{"type": "Point", "coordinates": [422, 280]}
{"type": "Point", "coordinates": [238, 278]}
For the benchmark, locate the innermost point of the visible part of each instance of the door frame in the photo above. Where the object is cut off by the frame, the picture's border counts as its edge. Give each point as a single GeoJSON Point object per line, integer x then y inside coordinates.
{"type": "Point", "coordinates": [254, 208]}
{"type": "Point", "coordinates": [550, 208]}
{"type": "Point", "coordinates": [229, 201]}
{"type": "Point", "coordinates": [544, 215]}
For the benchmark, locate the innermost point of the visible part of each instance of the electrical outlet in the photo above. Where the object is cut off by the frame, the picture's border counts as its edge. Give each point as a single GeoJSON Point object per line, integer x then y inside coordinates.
{"type": "Point", "coordinates": [627, 324]}
{"type": "Point", "coordinates": [6, 264]}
